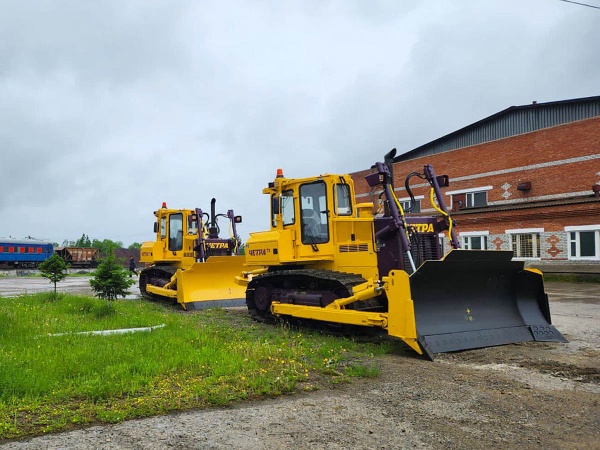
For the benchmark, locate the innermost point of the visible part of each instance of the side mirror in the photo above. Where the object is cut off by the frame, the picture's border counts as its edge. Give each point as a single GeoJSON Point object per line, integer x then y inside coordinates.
{"type": "Point", "coordinates": [237, 219]}
{"type": "Point", "coordinates": [156, 227]}
{"type": "Point", "coordinates": [275, 206]}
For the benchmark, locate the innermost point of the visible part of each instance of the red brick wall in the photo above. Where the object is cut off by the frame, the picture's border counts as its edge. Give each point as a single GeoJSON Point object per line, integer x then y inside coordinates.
{"type": "Point", "coordinates": [553, 218]}
{"type": "Point", "coordinates": [562, 164]}
{"type": "Point", "coordinates": [566, 179]}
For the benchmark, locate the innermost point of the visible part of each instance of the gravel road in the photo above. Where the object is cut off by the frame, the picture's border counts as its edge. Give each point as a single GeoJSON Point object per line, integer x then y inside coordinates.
{"type": "Point", "coordinates": [533, 395]}
{"type": "Point", "coordinates": [11, 286]}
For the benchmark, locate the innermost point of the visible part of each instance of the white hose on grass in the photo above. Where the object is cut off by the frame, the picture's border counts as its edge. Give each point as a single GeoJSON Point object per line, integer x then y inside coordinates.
{"type": "Point", "coordinates": [108, 332]}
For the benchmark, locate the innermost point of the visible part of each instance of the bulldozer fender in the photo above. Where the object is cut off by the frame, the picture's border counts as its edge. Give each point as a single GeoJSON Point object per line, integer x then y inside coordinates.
{"type": "Point", "coordinates": [244, 278]}
{"type": "Point", "coordinates": [479, 298]}
{"type": "Point", "coordinates": [211, 284]}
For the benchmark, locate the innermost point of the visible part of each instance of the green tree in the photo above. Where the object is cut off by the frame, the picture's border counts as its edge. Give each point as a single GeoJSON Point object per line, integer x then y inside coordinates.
{"type": "Point", "coordinates": [55, 269]}
{"type": "Point", "coordinates": [135, 246]}
{"type": "Point", "coordinates": [84, 241]}
{"type": "Point", "coordinates": [110, 280]}
{"type": "Point", "coordinates": [106, 246]}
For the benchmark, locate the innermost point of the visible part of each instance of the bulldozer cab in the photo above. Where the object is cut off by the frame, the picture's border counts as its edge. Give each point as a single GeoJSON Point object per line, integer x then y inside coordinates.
{"type": "Point", "coordinates": [314, 223]}
{"type": "Point", "coordinates": [315, 211]}
{"type": "Point", "coordinates": [176, 233]}
{"type": "Point", "coordinates": [189, 262]}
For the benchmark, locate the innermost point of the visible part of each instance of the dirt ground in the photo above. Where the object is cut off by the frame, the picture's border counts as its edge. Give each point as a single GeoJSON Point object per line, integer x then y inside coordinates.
{"type": "Point", "coordinates": [533, 395]}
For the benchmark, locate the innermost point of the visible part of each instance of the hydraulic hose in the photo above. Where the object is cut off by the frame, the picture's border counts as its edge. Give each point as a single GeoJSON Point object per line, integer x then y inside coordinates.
{"type": "Point", "coordinates": [401, 211]}
{"type": "Point", "coordinates": [233, 238]}
{"type": "Point", "coordinates": [442, 212]}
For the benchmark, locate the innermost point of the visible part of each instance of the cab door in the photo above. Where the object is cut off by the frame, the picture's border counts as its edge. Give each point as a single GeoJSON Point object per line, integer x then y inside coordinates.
{"type": "Point", "coordinates": [314, 221]}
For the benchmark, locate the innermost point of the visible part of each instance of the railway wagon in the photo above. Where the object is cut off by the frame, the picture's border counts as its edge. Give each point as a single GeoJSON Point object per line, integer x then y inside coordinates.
{"type": "Point", "coordinates": [79, 256]}
{"type": "Point", "coordinates": [24, 252]}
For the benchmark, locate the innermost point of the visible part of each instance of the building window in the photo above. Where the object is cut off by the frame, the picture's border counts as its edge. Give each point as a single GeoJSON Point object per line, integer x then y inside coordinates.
{"type": "Point", "coordinates": [584, 243]}
{"type": "Point", "coordinates": [476, 199]}
{"type": "Point", "coordinates": [406, 204]}
{"type": "Point", "coordinates": [469, 198]}
{"type": "Point", "coordinates": [474, 242]}
{"type": "Point", "coordinates": [525, 245]}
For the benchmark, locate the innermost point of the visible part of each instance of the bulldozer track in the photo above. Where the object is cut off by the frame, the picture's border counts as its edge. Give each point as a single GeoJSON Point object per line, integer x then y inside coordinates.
{"type": "Point", "coordinates": [336, 284]}
{"type": "Point", "coordinates": [157, 275]}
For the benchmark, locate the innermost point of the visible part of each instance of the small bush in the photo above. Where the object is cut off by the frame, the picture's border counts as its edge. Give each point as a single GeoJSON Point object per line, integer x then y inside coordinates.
{"type": "Point", "coordinates": [110, 280]}
{"type": "Point", "coordinates": [55, 269]}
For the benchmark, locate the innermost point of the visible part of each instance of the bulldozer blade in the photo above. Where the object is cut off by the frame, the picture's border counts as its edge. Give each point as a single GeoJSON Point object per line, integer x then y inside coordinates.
{"type": "Point", "coordinates": [479, 298]}
{"type": "Point", "coordinates": [211, 284]}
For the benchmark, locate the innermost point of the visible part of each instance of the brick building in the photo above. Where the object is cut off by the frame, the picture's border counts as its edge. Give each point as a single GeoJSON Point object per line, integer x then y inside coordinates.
{"type": "Point", "coordinates": [525, 179]}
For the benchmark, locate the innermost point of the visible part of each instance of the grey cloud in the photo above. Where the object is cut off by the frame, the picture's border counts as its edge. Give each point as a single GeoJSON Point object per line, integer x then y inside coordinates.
{"type": "Point", "coordinates": [96, 42]}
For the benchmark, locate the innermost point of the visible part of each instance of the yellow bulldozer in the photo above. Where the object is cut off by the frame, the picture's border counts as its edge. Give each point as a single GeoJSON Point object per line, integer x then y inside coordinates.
{"type": "Point", "coordinates": [189, 263]}
{"type": "Point", "coordinates": [327, 258]}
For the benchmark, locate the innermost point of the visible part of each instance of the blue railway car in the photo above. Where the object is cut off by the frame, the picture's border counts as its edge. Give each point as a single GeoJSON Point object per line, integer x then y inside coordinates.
{"type": "Point", "coordinates": [24, 252]}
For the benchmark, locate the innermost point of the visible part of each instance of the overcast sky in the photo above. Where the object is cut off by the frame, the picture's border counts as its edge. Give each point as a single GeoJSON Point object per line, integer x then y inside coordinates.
{"type": "Point", "coordinates": [109, 108]}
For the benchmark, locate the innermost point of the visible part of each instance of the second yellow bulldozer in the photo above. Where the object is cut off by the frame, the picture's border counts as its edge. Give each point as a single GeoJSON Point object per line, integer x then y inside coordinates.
{"type": "Point", "coordinates": [189, 263]}
{"type": "Point", "coordinates": [327, 258]}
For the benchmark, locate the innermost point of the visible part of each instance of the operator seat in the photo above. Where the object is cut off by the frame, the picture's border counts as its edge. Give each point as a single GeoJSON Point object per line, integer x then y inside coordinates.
{"type": "Point", "coordinates": [311, 225]}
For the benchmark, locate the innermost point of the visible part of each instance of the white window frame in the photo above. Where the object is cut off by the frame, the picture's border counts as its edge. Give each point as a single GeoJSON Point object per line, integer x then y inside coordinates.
{"type": "Point", "coordinates": [538, 231]}
{"type": "Point", "coordinates": [470, 199]}
{"type": "Point", "coordinates": [467, 235]}
{"type": "Point", "coordinates": [471, 191]}
{"type": "Point", "coordinates": [406, 201]}
{"type": "Point", "coordinates": [577, 230]}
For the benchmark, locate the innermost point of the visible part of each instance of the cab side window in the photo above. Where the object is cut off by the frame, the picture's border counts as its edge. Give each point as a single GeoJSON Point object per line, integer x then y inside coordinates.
{"type": "Point", "coordinates": [343, 205]}
{"type": "Point", "coordinates": [192, 224]}
{"type": "Point", "coordinates": [284, 205]}
{"type": "Point", "coordinates": [287, 207]}
{"type": "Point", "coordinates": [163, 227]}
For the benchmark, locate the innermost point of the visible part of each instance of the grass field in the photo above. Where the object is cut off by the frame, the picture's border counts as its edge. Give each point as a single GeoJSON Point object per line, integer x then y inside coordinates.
{"type": "Point", "coordinates": [52, 378]}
